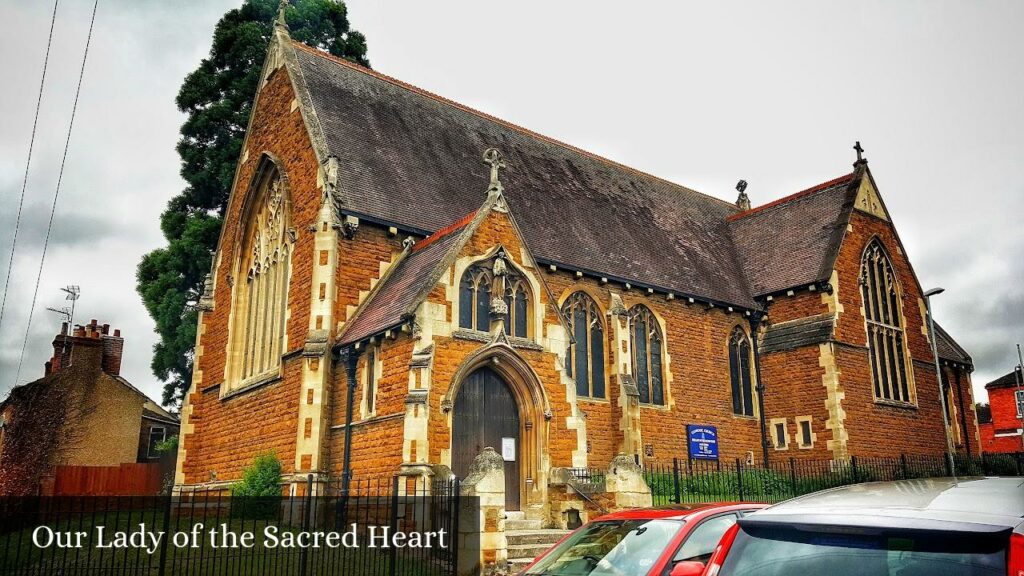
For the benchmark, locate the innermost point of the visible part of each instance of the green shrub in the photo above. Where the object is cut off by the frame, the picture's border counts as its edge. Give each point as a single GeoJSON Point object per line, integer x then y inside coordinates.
{"type": "Point", "coordinates": [262, 478]}
{"type": "Point", "coordinates": [258, 494]}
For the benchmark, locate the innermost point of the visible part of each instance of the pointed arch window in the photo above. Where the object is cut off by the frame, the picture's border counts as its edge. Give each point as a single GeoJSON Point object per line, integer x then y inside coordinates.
{"type": "Point", "coordinates": [261, 293]}
{"type": "Point", "coordinates": [584, 360]}
{"type": "Point", "coordinates": [890, 375]}
{"type": "Point", "coordinates": [517, 299]}
{"type": "Point", "coordinates": [475, 298]}
{"type": "Point", "coordinates": [740, 373]}
{"type": "Point", "coordinates": [646, 340]}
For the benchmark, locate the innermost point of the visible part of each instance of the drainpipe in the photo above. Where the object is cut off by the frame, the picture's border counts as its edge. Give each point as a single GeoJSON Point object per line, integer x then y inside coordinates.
{"type": "Point", "coordinates": [351, 357]}
{"type": "Point", "coordinates": [755, 324]}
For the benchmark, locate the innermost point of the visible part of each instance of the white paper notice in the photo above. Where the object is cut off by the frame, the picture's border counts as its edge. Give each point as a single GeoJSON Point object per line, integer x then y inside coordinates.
{"type": "Point", "coordinates": [508, 449]}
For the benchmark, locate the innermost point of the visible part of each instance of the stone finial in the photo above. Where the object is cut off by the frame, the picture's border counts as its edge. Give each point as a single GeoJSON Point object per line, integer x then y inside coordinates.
{"type": "Point", "coordinates": [280, 20]}
{"type": "Point", "coordinates": [742, 201]}
{"type": "Point", "coordinates": [494, 159]}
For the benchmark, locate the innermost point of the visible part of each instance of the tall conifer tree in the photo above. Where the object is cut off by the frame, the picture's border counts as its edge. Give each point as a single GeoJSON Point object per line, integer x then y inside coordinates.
{"type": "Point", "coordinates": [217, 98]}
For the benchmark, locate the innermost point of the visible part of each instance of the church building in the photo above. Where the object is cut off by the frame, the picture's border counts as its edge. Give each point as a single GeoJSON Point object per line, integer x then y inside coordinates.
{"type": "Point", "coordinates": [402, 281]}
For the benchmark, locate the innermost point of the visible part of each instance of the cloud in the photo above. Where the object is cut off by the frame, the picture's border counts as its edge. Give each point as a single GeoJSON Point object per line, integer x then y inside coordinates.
{"type": "Point", "coordinates": [702, 93]}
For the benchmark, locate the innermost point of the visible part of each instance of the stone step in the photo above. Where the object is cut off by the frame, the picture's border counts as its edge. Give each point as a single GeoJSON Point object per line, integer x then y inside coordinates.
{"type": "Point", "coordinates": [516, 565]}
{"type": "Point", "coordinates": [522, 524]}
{"type": "Point", "coordinates": [529, 551]}
{"type": "Point", "coordinates": [547, 537]}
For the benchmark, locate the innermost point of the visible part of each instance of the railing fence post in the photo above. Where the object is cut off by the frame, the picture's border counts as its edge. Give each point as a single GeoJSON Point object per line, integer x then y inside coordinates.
{"type": "Point", "coordinates": [392, 567]}
{"type": "Point", "coordinates": [167, 536]}
{"type": "Point", "coordinates": [307, 509]}
{"type": "Point", "coordinates": [792, 476]}
{"type": "Point", "coordinates": [675, 481]}
{"type": "Point", "coordinates": [739, 478]}
{"type": "Point", "coordinates": [853, 469]}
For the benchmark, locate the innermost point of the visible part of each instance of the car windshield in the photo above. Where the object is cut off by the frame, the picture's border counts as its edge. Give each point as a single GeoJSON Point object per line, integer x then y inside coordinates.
{"type": "Point", "coordinates": [612, 547]}
{"type": "Point", "coordinates": [769, 551]}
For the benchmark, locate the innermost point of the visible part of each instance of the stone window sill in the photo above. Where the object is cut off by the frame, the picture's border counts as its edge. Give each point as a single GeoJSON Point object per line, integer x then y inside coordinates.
{"type": "Point", "coordinates": [895, 404]}
{"type": "Point", "coordinates": [253, 384]}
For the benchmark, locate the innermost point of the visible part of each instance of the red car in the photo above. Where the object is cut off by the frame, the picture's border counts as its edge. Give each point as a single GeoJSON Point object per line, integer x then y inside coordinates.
{"type": "Point", "coordinates": [668, 541]}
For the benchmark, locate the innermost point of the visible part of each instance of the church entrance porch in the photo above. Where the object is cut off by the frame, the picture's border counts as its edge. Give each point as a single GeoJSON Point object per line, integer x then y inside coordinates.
{"type": "Point", "coordinates": [486, 415]}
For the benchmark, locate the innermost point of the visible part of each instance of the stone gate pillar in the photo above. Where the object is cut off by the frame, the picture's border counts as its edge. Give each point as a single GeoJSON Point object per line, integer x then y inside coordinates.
{"type": "Point", "coordinates": [483, 493]}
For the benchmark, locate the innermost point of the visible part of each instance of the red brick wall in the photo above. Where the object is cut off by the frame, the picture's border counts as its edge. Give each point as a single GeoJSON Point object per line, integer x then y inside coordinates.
{"type": "Point", "coordinates": [228, 433]}
{"type": "Point", "coordinates": [875, 429]}
{"type": "Point", "coordinates": [1004, 419]}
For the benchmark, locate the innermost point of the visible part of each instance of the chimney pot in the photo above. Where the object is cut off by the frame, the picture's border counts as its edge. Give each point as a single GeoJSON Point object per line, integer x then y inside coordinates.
{"type": "Point", "coordinates": [117, 332]}
{"type": "Point", "coordinates": [106, 328]}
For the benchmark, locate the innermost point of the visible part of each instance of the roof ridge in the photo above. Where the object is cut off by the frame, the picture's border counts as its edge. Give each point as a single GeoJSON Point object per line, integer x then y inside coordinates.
{"type": "Point", "coordinates": [458, 224]}
{"type": "Point", "coordinates": [489, 117]}
{"type": "Point", "coordinates": [791, 197]}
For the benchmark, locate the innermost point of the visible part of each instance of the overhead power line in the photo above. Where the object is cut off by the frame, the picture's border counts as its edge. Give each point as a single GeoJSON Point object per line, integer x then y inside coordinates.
{"type": "Point", "coordinates": [56, 193]}
{"type": "Point", "coordinates": [28, 162]}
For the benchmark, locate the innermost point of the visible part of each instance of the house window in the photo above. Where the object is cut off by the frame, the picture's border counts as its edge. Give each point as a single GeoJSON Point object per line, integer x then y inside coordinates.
{"type": "Point", "coordinates": [890, 374]}
{"type": "Point", "coordinates": [584, 360]}
{"type": "Point", "coordinates": [1020, 403]}
{"type": "Point", "coordinates": [475, 298]}
{"type": "Point", "coordinates": [157, 434]}
{"type": "Point", "coordinates": [740, 373]}
{"type": "Point", "coordinates": [805, 435]}
{"type": "Point", "coordinates": [780, 436]}
{"type": "Point", "coordinates": [645, 337]}
{"type": "Point", "coordinates": [261, 292]}
{"type": "Point", "coordinates": [370, 389]}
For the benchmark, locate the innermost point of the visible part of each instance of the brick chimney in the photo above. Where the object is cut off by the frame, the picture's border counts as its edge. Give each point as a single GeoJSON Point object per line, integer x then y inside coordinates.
{"type": "Point", "coordinates": [113, 348]}
{"type": "Point", "coordinates": [91, 336]}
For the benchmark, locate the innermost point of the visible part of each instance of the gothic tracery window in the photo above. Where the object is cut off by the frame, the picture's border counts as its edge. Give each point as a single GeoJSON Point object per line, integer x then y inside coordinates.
{"type": "Point", "coordinates": [882, 311]}
{"type": "Point", "coordinates": [584, 360]}
{"type": "Point", "coordinates": [645, 336]}
{"type": "Point", "coordinates": [261, 294]}
{"type": "Point", "coordinates": [740, 373]}
{"type": "Point", "coordinates": [475, 298]}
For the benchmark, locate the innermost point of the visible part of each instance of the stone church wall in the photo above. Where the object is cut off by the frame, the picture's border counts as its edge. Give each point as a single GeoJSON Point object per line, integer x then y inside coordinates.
{"type": "Point", "coordinates": [227, 433]}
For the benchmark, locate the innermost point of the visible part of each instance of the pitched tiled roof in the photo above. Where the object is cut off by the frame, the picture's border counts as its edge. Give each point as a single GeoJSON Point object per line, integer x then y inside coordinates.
{"type": "Point", "coordinates": [413, 159]}
{"type": "Point", "coordinates": [794, 241]}
{"type": "Point", "coordinates": [1010, 380]}
{"type": "Point", "coordinates": [949, 349]}
{"type": "Point", "coordinates": [399, 291]}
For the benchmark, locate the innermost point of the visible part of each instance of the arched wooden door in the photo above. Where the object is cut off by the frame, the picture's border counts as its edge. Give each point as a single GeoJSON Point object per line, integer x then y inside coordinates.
{"type": "Point", "coordinates": [486, 414]}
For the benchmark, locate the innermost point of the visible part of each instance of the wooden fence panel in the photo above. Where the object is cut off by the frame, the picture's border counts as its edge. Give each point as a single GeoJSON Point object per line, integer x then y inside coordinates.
{"type": "Point", "coordinates": [123, 480]}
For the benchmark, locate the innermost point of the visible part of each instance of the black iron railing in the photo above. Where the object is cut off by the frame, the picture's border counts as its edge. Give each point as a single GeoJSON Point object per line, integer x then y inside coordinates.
{"type": "Point", "coordinates": [370, 512]}
{"type": "Point", "coordinates": [694, 481]}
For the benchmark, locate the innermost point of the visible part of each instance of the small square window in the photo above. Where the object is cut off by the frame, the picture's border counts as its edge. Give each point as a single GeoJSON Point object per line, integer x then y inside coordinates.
{"type": "Point", "coordinates": [804, 432]}
{"type": "Point", "coordinates": [780, 436]}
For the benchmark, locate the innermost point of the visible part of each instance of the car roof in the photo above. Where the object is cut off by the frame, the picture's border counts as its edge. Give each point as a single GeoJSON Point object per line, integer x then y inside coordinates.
{"type": "Point", "coordinates": [972, 504]}
{"type": "Point", "coordinates": [678, 511]}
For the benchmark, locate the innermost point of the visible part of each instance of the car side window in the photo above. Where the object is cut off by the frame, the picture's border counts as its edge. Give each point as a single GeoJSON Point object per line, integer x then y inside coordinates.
{"type": "Point", "coordinates": [703, 539]}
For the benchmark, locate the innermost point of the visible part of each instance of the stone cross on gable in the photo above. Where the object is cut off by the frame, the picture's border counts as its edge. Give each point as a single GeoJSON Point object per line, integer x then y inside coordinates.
{"type": "Point", "coordinates": [493, 158]}
{"type": "Point", "coordinates": [860, 151]}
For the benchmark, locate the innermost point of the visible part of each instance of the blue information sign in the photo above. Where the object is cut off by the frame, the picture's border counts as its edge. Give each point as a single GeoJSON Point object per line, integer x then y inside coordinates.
{"type": "Point", "coordinates": [703, 441]}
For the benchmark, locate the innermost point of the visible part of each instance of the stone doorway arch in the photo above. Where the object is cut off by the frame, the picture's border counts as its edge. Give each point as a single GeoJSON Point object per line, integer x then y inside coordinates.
{"type": "Point", "coordinates": [534, 414]}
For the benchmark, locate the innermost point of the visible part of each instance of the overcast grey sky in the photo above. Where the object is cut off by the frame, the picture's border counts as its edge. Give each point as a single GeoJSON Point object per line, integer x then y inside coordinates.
{"type": "Point", "coordinates": [702, 93]}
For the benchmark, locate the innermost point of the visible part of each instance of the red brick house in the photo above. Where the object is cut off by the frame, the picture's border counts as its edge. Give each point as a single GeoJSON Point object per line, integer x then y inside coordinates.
{"type": "Point", "coordinates": [1003, 430]}
{"type": "Point", "coordinates": [81, 413]}
{"type": "Point", "coordinates": [377, 284]}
